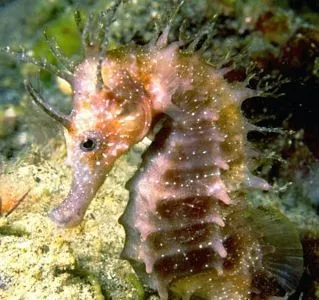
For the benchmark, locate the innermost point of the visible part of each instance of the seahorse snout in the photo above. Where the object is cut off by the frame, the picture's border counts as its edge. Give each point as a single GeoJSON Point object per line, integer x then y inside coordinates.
{"type": "Point", "coordinates": [83, 189]}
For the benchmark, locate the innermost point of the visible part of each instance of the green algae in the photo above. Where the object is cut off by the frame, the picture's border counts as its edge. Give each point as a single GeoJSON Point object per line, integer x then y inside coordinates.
{"type": "Point", "coordinates": [133, 279]}
{"type": "Point", "coordinates": [64, 31]}
{"type": "Point", "coordinates": [6, 229]}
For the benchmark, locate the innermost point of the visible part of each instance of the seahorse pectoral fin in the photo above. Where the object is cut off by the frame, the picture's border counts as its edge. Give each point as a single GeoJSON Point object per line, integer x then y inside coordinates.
{"type": "Point", "coordinates": [286, 262]}
{"type": "Point", "coordinates": [281, 250]}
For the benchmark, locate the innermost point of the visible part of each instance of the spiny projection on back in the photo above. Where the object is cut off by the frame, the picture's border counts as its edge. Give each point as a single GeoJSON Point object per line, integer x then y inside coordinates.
{"type": "Point", "coordinates": [189, 229]}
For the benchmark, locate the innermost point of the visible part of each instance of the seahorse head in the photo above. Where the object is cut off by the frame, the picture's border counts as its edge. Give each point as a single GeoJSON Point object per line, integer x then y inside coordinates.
{"type": "Point", "coordinates": [109, 115]}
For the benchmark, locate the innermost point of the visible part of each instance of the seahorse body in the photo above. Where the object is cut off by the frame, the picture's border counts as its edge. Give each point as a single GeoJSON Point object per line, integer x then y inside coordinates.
{"type": "Point", "coordinates": [188, 227]}
{"type": "Point", "coordinates": [190, 182]}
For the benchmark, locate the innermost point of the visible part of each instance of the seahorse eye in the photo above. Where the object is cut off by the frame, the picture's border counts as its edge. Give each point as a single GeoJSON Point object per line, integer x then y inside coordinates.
{"type": "Point", "coordinates": [88, 144]}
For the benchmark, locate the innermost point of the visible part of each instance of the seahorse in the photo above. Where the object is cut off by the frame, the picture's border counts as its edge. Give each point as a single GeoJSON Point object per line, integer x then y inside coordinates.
{"type": "Point", "coordinates": [190, 232]}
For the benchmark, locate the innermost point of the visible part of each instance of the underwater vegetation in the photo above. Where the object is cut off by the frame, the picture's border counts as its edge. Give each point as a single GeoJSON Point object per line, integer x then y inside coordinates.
{"type": "Point", "coordinates": [203, 118]}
